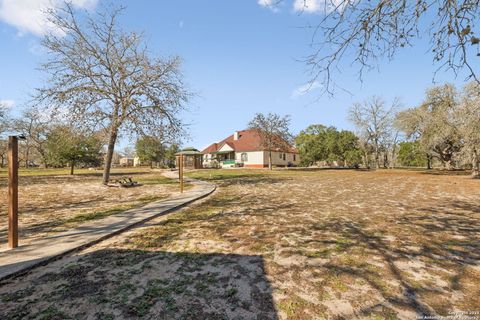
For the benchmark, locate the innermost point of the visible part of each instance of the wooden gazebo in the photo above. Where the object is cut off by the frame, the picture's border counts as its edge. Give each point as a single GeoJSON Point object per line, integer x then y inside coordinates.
{"type": "Point", "coordinates": [192, 158]}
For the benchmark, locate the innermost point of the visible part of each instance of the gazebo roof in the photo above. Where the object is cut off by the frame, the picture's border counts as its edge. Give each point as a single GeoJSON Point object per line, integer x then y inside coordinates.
{"type": "Point", "coordinates": [189, 151]}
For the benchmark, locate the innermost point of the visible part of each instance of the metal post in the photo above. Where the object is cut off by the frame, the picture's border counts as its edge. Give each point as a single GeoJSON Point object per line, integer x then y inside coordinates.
{"type": "Point", "coordinates": [181, 173]}
{"type": "Point", "coordinates": [12, 192]}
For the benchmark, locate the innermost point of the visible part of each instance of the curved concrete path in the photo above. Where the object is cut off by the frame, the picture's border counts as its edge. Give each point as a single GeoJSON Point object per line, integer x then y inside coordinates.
{"type": "Point", "coordinates": [23, 258]}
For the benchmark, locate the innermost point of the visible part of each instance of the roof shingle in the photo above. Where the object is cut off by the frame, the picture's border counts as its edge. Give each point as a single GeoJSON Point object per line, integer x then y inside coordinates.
{"type": "Point", "coordinates": [248, 140]}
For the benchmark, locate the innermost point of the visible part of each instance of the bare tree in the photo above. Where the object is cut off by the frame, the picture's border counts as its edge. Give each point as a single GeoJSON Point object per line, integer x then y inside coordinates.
{"type": "Point", "coordinates": [106, 78]}
{"type": "Point", "coordinates": [3, 152]}
{"type": "Point", "coordinates": [4, 117]}
{"type": "Point", "coordinates": [4, 126]}
{"type": "Point", "coordinates": [374, 120]}
{"type": "Point", "coordinates": [364, 32]}
{"type": "Point", "coordinates": [274, 132]}
{"type": "Point", "coordinates": [128, 152]}
{"type": "Point", "coordinates": [34, 124]}
{"type": "Point", "coordinates": [390, 143]}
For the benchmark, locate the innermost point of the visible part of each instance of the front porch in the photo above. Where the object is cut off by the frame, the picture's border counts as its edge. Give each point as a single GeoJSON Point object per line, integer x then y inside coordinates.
{"type": "Point", "coordinates": [226, 159]}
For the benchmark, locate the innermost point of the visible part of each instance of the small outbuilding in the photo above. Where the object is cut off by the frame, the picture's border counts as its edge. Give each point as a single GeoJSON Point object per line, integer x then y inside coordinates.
{"type": "Point", "coordinates": [192, 158]}
{"type": "Point", "coordinates": [126, 162]}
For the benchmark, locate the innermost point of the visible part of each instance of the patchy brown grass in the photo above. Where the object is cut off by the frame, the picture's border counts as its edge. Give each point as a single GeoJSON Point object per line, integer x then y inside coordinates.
{"type": "Point", "coordinates": [54, 203]}
{"type": "Point", "coordinates": [281, 244]}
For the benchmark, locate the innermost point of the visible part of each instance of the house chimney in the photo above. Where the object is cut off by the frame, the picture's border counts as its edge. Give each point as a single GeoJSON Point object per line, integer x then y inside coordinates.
{"type": "Point", "coordinates": [236, 135]}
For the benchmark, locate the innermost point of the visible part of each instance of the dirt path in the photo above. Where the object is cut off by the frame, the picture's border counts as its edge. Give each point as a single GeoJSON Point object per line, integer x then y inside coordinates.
{"type": "Point", "coordinates": [53, 204]}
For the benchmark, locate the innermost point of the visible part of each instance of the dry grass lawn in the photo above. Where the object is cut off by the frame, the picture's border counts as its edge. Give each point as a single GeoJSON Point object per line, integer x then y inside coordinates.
{"type": "Point", "coordinates": [279, 245]}
{"type": "Point", "coordinates": [53, 201]}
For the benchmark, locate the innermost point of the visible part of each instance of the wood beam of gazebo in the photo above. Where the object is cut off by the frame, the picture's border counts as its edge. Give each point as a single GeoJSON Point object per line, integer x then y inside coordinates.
{"type": "Point", "coordinates": [192, 158]}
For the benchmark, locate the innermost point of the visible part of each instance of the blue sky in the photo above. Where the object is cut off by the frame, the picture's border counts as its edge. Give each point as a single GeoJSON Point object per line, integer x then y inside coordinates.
{"type": "Point", "coordinates": [239, 57]}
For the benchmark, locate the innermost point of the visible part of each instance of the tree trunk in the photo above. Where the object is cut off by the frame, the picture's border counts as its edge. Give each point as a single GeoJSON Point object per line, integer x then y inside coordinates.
{"type": "Point", "coordinates": [365, 160]}
{"type": "Point", "coordinates": [109, 156]}
{"type": "Point", "coordinates": [44, 158]}
{"type": "Point", "coordinates": [429, 162]}
{"type": "Point", "coordinates": [475, 164]}
{"type": "Point", "coordinates": [72, 167]}
{"type": "Point", "coordinates": [151, 164]}
{"type": "Point", "coordinates": [377, 157]}
{"type": "Point", "coordinates": [26, 157]}
{"type": "Point", "coordinates": [447, 164]}
{"type": "Point", "coordinates": [393, 157]}
{"type": "Point", "coordinates": [270, 159]}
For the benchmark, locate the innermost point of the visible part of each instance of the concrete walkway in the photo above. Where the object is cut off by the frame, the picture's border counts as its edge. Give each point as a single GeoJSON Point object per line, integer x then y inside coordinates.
{"type": "Point", "coordinates": [23, 258]}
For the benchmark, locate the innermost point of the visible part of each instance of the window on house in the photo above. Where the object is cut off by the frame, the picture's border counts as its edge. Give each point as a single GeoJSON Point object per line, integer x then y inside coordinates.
{"type": "Point", "coordinates": [280, 155]}
{"type": "Point", "coordinates": [284, 156]}
{"type": "Point", "coordinates": [294, 157]}
{"type": "Point", "coordinates": [244, 157]}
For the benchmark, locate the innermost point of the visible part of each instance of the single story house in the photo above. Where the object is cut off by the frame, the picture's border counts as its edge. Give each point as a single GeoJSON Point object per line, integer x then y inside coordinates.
{"type": "Point", "coordinates": [244, 149]}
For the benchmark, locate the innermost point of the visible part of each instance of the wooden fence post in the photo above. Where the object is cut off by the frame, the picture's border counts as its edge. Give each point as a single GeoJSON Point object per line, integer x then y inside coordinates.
{"type": "Point", "coordinates": [12, 192]}
{"type": "Point", "coordinates": [181, 173]}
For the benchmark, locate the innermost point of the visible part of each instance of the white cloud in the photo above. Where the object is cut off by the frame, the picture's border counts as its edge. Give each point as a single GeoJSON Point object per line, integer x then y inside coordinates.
{"type": "Point", "coordinates": [7, 103]}
{"type": "Point", "coordinates": [271, 4]}
{"type": "Point", "coordinates": [318, 6]}
{"type": "Point", "coordinates": [265, 3]}
{"type": "Point", "coordinates": [304, 89]}
{"type": "Point", "coordinates": [28, 16]}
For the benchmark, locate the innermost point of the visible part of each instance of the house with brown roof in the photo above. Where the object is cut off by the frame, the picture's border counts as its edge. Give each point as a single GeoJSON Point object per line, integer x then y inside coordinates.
{"type": "Point", "coordinates": [244, 149]}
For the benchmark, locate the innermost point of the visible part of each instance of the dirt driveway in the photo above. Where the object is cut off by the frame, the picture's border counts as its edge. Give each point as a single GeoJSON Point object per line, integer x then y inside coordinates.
{"type": "Point", "coordinates": [280, 245]}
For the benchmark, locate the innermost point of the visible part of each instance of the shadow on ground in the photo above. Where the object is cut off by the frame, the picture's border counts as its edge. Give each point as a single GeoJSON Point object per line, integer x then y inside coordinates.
{"type": "Point", "coordinates": [123, 283]}
{"type": "Point", "coordinates": [442, 244]}
{"type": "Point", "coordinates": [454, 172]}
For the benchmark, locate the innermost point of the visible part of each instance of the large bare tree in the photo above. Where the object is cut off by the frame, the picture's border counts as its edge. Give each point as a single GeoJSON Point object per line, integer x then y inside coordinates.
{"type": "Point", "coordinates": [374, 122]}
{"type": "Point", "coordinates": [364, 32]}
{"type": "Point", "coordinates": [4, 126]}
{"type": "Point", "coordinates": [274, 132]}
{"type": "Point", "coordinates": [34, 124]}
{"type": "Point", "coordinates": [105, 77]}
{"type": "Point", "coordinates": [4, 117]}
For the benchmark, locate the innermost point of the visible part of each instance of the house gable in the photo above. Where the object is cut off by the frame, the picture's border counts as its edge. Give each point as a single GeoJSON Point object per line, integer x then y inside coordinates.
{"type": "Point", "coordinates": [225, 147]}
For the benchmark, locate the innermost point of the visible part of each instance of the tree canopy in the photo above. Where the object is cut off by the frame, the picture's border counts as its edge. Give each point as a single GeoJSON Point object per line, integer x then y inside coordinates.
{"type": "Point", "coordinates": [274, 132]}
{"type": "Point", "coordinates": [149, 148]}
{"type": "Point", "coordinates": [432, 124]}
{"type": "Point", "coordinates": [321, 143]}
{"type": "Point", "coordinates": [67, 145]}
{"type": "Point", "coordinates": [410, 154]}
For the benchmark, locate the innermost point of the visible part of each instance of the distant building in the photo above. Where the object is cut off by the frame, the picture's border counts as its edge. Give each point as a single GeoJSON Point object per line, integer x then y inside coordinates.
{"type": "Point", "coordinates": [127, 162]}
{"type": "Point", "coordinates": [138, 163]}
{"type": "Point", "coordinates": [244, 148]}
